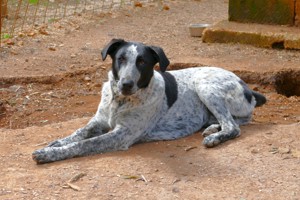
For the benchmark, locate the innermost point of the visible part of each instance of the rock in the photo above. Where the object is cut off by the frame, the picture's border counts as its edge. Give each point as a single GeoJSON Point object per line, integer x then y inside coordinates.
{"type": "Point", "coordinates": [87, 78]}
{"type": "Point", "coordinates": [175, 190]}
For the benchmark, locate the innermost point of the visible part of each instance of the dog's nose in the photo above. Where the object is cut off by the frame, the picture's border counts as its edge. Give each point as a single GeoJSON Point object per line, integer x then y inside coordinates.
{"type": "Point", "coordinates": [127, 85]}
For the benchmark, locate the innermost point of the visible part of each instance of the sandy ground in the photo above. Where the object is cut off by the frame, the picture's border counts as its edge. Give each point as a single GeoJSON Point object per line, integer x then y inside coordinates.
{"type": "Point", "coordinates": [50, 85]}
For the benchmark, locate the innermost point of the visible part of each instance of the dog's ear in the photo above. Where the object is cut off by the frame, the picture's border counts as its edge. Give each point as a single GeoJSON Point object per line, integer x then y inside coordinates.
{"type": "Point", "coordinates": [111, 47]}
{"type": "Point", "coordinates": [161, 57]}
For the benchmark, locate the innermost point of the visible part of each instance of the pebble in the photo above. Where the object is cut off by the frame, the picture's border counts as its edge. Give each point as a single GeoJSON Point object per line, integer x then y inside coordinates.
{"type": "Point", "coordinates": [175, 190]}
{"type": "Point", "coordinates": [87, 78]}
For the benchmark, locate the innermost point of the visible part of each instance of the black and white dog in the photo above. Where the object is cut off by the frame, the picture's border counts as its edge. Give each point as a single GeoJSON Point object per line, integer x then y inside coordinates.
{"type": "Point", "coordinates": [140, 104]}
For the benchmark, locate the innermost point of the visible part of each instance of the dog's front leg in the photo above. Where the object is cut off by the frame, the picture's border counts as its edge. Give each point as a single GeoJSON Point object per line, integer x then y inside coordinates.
{"type": "Point", "coordinates": [93, 128]}
{"type": "Point", "coordinates": [118, 139]}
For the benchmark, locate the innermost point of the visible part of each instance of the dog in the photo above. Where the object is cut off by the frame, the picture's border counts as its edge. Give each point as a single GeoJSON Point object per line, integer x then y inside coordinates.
{"type": "Point", "coordinates": [140, 104]}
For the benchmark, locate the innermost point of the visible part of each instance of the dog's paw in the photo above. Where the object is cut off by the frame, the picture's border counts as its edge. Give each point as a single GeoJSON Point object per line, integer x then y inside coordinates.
{"type": "Point", "coordinates": [211, 140]}
{"type": "Point", "coordinates": [214, 128]}
{"type": "Point", "coordinates": [42, 156]}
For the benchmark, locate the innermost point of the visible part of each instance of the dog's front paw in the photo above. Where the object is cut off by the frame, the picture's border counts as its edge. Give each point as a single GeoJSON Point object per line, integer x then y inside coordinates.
{"type": "Point", "coordinates": [211, 140]}
{"type": "Point", "coordinates": [42, 156]}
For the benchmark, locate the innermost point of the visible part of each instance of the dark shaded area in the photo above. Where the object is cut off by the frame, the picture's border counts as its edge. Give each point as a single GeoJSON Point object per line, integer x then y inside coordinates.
{"type": "Point", "coordinates": [278, 45]}
{"type": "Point", "coordinates": [288, 83]}
{"type": "Point", "coordinates": [262, 11]}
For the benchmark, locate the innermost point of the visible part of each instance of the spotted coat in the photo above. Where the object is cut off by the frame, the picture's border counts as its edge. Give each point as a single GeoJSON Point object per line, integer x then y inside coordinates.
{"type": "Point", "coordinates": [139, 104]}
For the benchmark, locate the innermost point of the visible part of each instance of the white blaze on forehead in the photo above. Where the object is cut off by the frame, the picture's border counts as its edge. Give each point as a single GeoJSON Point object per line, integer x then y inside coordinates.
{"type": "Point", "coordinates": [131, 55]}
{"type": "Point", "coordinates": [132, 51]}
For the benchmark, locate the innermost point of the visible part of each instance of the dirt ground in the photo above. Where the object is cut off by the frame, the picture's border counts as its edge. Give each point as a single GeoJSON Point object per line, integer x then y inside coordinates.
{"type": "Point", "coordinates": [50, 82]}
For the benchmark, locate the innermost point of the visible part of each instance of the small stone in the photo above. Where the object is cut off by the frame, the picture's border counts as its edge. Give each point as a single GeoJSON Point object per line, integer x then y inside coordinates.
{"type": "Point", "coordinates": [80, 103]}
{"type": "Point", "coordinates": [254, 151]}
{"type": "Point", "coordinates": [175, 190]}
{"type": "Point", "coordinates": [87, 78]}
{"type": "Point", "coordinates": [52, 48]}
{"type": "Point", "coordinates": [97, 85]}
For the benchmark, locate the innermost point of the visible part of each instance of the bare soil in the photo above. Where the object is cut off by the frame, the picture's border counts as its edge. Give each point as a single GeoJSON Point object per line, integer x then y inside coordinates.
{"type": "Point", "coordinates": [50, 82]}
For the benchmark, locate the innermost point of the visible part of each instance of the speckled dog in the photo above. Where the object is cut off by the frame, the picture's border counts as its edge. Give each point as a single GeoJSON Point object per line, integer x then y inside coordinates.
{"type": "Point", "coordinates": [139, 104]}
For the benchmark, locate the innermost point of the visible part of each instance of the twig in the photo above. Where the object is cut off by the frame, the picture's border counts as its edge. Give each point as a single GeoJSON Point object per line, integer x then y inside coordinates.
{"type": "Point", "coordinates": [35, 13]}
{"type": "Point", "coordinates": [46, 10]}
{"type": "Point", "coordinates": [72, 186]}
{"type": "Point", "coordinates": [69, 183]}
{"type": "Point", "coordinates": [176, 180]}
{"type": "Point", "coordinates": [40, 144]}
{"type": "Point", "coordinates": [16, 17]}
{"type": "Point", "coordinates": [190, 148]}
{"type": "Point", "coordinates": [144, 179]}
{"type": "Point", "coordinates": [76, 177]}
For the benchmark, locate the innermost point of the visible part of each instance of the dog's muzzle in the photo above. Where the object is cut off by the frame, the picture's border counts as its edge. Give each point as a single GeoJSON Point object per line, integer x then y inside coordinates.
{"type": "Point", "coordinates": [126, 87]}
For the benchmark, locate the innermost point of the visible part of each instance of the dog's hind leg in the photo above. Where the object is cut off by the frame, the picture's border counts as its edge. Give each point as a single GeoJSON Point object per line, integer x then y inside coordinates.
{"type": "Point", "coordinates": [226, 128]}
{"type": "Point", "coordinates": [228, 131]}
{"type": "Point", "coordinates": [214, 128]}
{"type": "Point", "coordinates": [242, 120]}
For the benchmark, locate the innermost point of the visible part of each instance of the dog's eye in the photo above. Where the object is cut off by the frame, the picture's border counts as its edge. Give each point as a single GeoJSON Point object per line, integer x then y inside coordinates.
{"type": "Point", "coordinates": [122, 59]}
{"type": "Point", "coordinates": [140, 61]}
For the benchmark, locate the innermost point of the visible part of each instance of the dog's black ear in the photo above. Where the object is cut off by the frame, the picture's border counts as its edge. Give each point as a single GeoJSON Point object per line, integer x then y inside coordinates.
{"type": "Point", "coordinates": [161, 57]}
{"type": "Point", "coordinates": [111, 47]}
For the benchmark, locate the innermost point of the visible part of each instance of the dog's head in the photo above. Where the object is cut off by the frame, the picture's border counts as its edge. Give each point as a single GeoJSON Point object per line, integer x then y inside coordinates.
{"type": "Point", "coordinates": [133, 64]}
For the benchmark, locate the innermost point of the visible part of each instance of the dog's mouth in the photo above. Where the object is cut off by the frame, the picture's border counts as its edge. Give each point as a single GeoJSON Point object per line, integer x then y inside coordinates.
{"type": "Point", "coordinates": [126, 92]}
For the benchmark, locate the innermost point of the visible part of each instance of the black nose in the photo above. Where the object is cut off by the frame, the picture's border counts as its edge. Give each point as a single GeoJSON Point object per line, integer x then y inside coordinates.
{"type": "Point", "coordinates": [127, 85]}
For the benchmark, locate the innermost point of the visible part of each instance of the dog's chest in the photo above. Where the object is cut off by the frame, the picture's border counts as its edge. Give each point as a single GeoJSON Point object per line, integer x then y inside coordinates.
{"type": "Point", "coordinates": [121, 107]}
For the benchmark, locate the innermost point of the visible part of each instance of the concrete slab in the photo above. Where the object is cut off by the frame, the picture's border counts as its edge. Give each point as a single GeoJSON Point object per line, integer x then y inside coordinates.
{"type": "Point", "coordinates": [268, 36]}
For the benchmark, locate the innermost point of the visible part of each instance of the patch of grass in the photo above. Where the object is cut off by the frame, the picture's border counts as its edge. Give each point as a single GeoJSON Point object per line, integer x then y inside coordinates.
{"type": "Point", "coordinates": [52, 20]}
{"type": "Point", "coordinates": [33, 2]}
{"type": "Point", "coordinates": [5, 36]}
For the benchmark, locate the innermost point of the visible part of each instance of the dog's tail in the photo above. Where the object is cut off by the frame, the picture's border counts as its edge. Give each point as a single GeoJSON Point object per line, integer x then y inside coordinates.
{"type": "Point", "coordinates": [260, 99]}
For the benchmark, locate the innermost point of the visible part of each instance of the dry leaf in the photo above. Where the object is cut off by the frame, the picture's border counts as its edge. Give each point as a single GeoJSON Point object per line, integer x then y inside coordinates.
{"type": "Point", "coordinates": [283, 150]}
{"type": "Point", "coordinates": [138, 4]}
{"type": "Point", "coordinates": [9, 42]}
{"type": "Point", "coordinates": [43, 31]}
{"type": "Point", "coordinates": [166, 7]}
{"type": "Point", "coordinates": [31, 33]}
